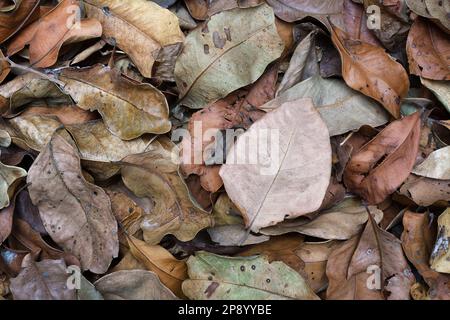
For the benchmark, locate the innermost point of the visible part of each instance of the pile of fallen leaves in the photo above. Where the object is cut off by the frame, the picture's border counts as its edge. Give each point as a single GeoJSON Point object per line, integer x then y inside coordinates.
{"type": "Point", "coordinates": [104, 196]}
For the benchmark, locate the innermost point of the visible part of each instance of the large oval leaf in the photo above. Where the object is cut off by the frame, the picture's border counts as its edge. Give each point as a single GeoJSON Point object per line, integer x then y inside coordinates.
{"type": "Point", "coordinates": [292, 169]}
{"type": "Point", "coordinates": [232, 50]}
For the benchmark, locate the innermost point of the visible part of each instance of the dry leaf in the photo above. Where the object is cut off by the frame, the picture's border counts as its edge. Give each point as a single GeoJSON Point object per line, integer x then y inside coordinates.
{"type": "Point", "coordinates": [289, 181]}
{"type": "Point", "coordinates": [440, 256]}
{"type": "Point", "coordinates": [383, 164]}
{"type": "Point", "coordinates": [353, 266]}
{"type": "Point", "coordinates": [230, 51]}
{"type": "Point", "coordinates": [428, 50]}
{"type": "Point", "coordinates": [436, 166]}
{"type": "Point", "coordinates": [76, 214]}
{"type": "Point", "coordinates": [133, 285]}
{"type": "Point", "coordinates": [120, 101]}
{"type": "Point", "coordinates": [141, 28]}
{"type": "Point", "coordinates": [417, 241]}
{"type": "Point", "coordinates": [370, 70]}
{"type": "Point", "coordinates": [171, 271]}
{"type": "Point", "coordinates": [58, 27]}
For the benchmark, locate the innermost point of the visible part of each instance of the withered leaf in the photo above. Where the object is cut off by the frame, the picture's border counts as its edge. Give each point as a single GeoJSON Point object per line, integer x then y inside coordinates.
{"type": "Point", "coordinates": [75, 213]}
{"type": "Point", "coordinates": [349, 265]}
{"type": "Point", "coordinates": [428, 49]}
{"type": "Point", "coordinates": [287, 179]}
{"type": "Point", "coordinates": [141, 28]}
{"type": "Point", "coordinates": [120, 101]}
{"type": "Point", "coordinates": [370, 70]}
{"type": "Point", "coordinates": [383, 164]}
{"type": "Point", "coordinates": [231, 51]}
{"type": "Point", "coordinates": [133, 285]}
{"type": "Point", "coordinates": [154, 174]}
{"type": "Point", "coordinates": [58, 27]}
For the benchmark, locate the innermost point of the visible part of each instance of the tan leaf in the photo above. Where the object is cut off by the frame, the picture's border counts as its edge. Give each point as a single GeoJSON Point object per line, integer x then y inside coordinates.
{"type": "Point", "coordinates": [154, 174]}
{"type": "Point", "coordinates": [425, 191]}
{"type": "Point", "coordinates": [295, 176]}
{"type": "Point", "coordinates": [132, 285]}
{"type": "Point", "coordinates": [45, 280]}
{"type": "Point", "coordinates": [436, 166]}
{"type": "Point", "coordinates": [58, 27]}
{"type": "Point", "coordinates": [75, 213]}
{"type": "Point", "coordinates": [141, 28]}
{"type": "Point", "coordinates": [10, 176]}
{"type": "Point", "coordinates": [340, 222]}
{"type": "Point", "coordinates": [379, 167]}
{"type": "Point", "coordinates": [120, 101]}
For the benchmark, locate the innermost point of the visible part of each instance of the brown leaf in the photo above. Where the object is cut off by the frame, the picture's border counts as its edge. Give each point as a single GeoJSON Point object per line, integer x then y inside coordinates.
{"type": "Point", "coordinates": [56, 28]}
{"type": "Point", "coordinates": [202, 9]}
{"type": "Point", "coordinates": [144, 30]}
{"type": "Point", "coordinates": [171, 271]}
{"type": "Point", "coordinates": [370, 70]}
{"type": "Point", "coordinates": [428, 49]}
{"type": "Point", "coordinates": [383, 164]}
{"type": "Point", "coordinates": [68, 115]}
{"type": "Point", "coordinates": [356, 263]}
{"type": "Point", "coordinates": [154, 175]}
{"type": "Point", "coordinates": [230, 112]}
{"type": "Point", "coordinates": [76, 213]}
{"type": "Point", "coordinates": [119, 100]}
{"type": "Point", "coordinates": [355, 22]}
{"type": "Point", "coordinates": [45, 280]}
{"type": "Point", "coordinates": [417, 241]}
{"type": "Point", "coordinates": [12, 22]}
{"type": "Point", "coordinates": [6, 219]}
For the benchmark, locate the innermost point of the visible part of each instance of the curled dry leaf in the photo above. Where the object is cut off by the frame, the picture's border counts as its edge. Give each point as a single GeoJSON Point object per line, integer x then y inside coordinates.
{"type": "Point", "coordinates": [12, 22]}
{"type": "Point", "coordinates": [342, 108]}
{"type": "Point", "coordinates": [440, 256]}
{"type": "Point", "coordinates": [291, 178]}
{"type": "Point", "coordinates": [379, 167]}
{"type": "Point", "coordinates": [375, 249]}
{"type": "Point", "coordinates": [76, 214]}
{"type": "Point", "coordinates": [154, 174]}
{"type": "Point", "coordinates": [141, 28]}
{"type": "Point", "coordinates": [171, 272]}
{"type": "Point", "coordinates": [370, 70]}
{"type": "Point", "coordinates": [243, 278]}
{"type": "Point", "coordinates": [120, 101]}
{"type": "Point", "coordinates": [436, 166]}
{"type": "Point", "coordinates": [441, 89]}
{"type": "Point", "coordinates": [47, 35]}
{"type": "Point", "coordinates": [230, 51]}
{"type": "Point", "coordinates": [133, 285]}
{"type": "Point", "coordinates": [10, 176]}
{"type": "Point", "coordinates": [44, 280]}
{"type": "Point", "coordinates": [6, 221]}
{"type": "Point", "coordinates": [428, 50]}
{"type": "Point", "coordinates": [417, 242]}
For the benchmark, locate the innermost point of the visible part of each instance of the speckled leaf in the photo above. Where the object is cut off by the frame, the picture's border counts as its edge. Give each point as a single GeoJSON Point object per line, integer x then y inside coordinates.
{"type": "Point", "coordinates": [243, 278]}
{"type": "Point", "coordinates": [75, 213]}
{"type": "Point", "coordinates": [440, 256]}
{"type": "Point", "coordinates": [232, 50]}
